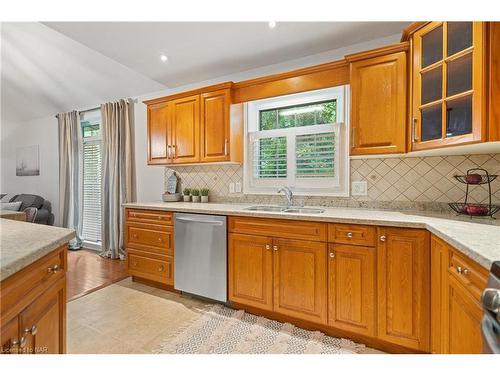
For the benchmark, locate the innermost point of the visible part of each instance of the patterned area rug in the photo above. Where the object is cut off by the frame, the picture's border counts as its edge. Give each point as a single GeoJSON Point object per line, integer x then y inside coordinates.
{"type": "Point", "coordinates": [222, 330]}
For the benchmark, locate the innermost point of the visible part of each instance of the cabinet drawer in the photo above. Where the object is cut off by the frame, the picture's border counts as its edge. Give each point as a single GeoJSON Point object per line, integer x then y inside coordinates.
{"type": "Point", "coordinates": [363, 235]}
{"type": "Point", "coordinates": [292, 229]}
{"type": "Point", "coordinates": [151, 269]}
{"type": "Point", "coordinates": [153, 238]}
{"type": "Point", "coordinates": [33, 280]}
{"type": "Point", "coordinates": [472, 276]}
{"type": "Point", "coordinates": [149, 216]}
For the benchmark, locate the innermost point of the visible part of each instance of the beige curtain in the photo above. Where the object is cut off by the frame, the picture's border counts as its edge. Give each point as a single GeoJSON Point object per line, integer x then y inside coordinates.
{"type": "Point", "coordinates": [118, 181]}
{"type": "Point", "coordinates": [70, 171]}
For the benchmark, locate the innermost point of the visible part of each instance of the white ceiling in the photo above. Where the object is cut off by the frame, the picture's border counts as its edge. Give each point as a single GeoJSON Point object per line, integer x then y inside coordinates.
{"type": "Point", "coordinates": [58, 66]}
{"type": "Point", "coordinates": [199, 51]}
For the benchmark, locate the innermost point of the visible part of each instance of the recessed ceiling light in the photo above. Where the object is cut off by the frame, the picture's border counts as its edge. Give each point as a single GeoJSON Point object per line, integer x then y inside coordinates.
{"type": "Point", "coordinates": [272, 24]}
{"type": "Point", "coordinates": [164, 58]}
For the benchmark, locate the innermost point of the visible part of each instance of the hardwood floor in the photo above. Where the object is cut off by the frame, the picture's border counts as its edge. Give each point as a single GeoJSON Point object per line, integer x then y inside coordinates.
{"type": "Point", "coordinates": [87, 272]}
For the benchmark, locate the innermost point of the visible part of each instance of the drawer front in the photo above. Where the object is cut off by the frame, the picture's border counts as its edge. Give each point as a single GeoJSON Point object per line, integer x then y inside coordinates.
{"type": "Point", "coordinates": [151, 238]}
{"type": "Point", "coordinates": [472, 276]}
{"type": "Point", "coordinates": [305, 230]}
{"type": "Point", "coordinates": [151, 269]}
{"type": "Point", "coordinates": [33, 280]}
{"type": "Point", "coordinates": [149, 216]}
{"type": "Point", "coordinates": [362, 235]}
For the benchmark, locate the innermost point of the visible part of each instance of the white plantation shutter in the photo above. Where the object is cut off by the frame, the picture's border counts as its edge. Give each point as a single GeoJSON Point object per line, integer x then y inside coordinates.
{"type": "Point", "coordinates": [315, 155]}
{"type": "Point", "coordinates": [269, 157]}
{"type": "Point", "coordinates": [92, 191]}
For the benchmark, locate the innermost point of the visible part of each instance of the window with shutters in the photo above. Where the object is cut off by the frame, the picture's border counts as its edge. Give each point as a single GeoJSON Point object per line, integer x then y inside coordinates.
{"type": "Point", "coordinates": [91, 130]}
{"type": "Point", "coordinates": [299, 141]}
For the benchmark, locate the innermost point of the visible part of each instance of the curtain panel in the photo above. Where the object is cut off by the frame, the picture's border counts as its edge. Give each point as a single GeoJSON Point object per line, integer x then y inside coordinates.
{"type": "Point", "coordinates": [70, 172]}
{"type": "Point", "coordinates": [118, 181]}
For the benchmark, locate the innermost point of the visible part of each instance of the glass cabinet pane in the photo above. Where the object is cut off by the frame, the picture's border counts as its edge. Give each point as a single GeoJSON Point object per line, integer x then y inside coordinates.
{"type": "Point", "coordinates": [459, 76]}
{"type": "Point", "coordinates": [459, 36]}
{"type": "Point", "coordinates": [432, 85]}
{"type": "Point", "coordinates": [432, 46]}
{"type": "Point", "coordinates": [459, 116]}
{"type": "Point", "coordinates": [431, 123]}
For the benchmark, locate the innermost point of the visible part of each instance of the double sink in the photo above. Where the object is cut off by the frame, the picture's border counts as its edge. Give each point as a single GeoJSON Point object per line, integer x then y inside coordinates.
{"type": "Point", "coordinates": [284, 209]}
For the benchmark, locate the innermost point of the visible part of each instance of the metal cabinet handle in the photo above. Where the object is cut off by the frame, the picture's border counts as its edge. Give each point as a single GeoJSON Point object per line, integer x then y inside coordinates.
{"type": "Point", "coordinates": [414, 130]}
{"type": "Point", "coordinates": [21, 343]}
{"type": "Point", "coordinates": [53, 269]}
{"type": "Point", "coordinates": [159, 239]}
{"type": "Point", "coordinates": [332, 255]}
{"type": "Point", "coordinates": [353, 143]}
{"type": "Point", "coordinates": [174, 150]}
{"type": "Point", "coordinates": [268, 247]}
{"type": "Point", "coordinates": [459, 270]}
{"type": "Point", "coordinates": [169, 151]}
{"type": "Point", "coordinates": [462, 271]}
{"type": "Point", "coordinates": [225, 147]}
{"type": "Point", "coordinates": [275, 248]}
{"type": "Point", "coordinates": [32, 331]}
{"type": "Point", "coordinates": [160, 269]}
{"type": "Point", "coordinates": [382, 238]}
{"type": "Point", "coordinates": [349, 234]}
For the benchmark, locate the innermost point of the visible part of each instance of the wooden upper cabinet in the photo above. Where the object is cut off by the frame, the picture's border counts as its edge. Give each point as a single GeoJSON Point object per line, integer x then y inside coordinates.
{"type": "Point", "coordinates": [378, 103]}
{"type": "Point", "coordinates": [186, 130]}
{"type": "Point", "coordinates": [403, 284]}
{"type": "Point", "coordinates": [449, 84]}
{"type": "Point", "coordinates": [159, 128]}
{"type": "Point", "coordinates": [250, 265]}
{"type": "Point", "coordinates": [351, 288]}
{"type": "Point", "coordinates": [215, 130]}
{"type": "Point", "coordinates": [300, 285]}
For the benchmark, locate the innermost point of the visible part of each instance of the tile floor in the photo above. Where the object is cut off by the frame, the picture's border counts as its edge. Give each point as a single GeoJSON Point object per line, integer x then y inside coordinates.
{"type": "Point", "coordinates": [129, 317]}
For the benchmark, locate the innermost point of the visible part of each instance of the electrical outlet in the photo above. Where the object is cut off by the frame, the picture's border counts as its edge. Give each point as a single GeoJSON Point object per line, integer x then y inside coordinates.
{"type": "Point", "coordinates": [359, 188]}
{"type": "Point", "coordinates": [238, 187]}
{"type": "Point", "coordinates": [231, 188]}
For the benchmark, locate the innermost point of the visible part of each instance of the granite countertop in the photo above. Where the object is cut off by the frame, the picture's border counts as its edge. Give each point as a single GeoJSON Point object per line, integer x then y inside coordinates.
{"type": "Point", "coordinates": [22, 244]}
{"type": "Point", "coordinates": [480, 242]}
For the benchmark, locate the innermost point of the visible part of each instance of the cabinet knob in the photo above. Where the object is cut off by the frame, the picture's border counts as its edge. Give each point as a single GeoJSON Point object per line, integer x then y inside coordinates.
{"type": "Point", "coordinates": [332, 255]}
{"type": "Point", "coordinates": [275, 248]}
{"type": "Point", "coordinates": [159, 239]}
{"type": "Point", "coordinates": [33, 330]}
{"type": "Point", "coordinates": [459, 270]}
{"type": "Point", "coordinates": [349, 234]}
{"type": "Point", "coordinates": [382, 238]}
{"type": "Point", "coordinates": [134, 235]}
{"type": "Point", "coordinates": [135, 264]}
{"type": "Point", "coordinates": [53, 269]}
{"type": "Point", "coordinates": [268, 247]}
{"type": "Point", "coordinates": [462, 271]}
{"type": "Point", "coordinates": [160, 269]}
{"type": "Point", "coordinates": [159, 217]}
{"type": "Point", "coordinates": [20, 343]}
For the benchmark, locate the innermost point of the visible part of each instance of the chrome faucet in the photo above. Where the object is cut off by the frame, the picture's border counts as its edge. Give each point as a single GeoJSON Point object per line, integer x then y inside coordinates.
{"type": "Point", "coordinates": [288, 194]}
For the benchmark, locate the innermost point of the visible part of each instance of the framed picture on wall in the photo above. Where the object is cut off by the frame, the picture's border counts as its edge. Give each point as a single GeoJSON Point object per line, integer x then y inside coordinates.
{"type": "Point", "coordinates": [27, 161]}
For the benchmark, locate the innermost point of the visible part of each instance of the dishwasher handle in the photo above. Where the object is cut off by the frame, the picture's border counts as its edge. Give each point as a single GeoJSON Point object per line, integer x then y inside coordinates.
{"type": "Point", "coordinates": [210, 222]}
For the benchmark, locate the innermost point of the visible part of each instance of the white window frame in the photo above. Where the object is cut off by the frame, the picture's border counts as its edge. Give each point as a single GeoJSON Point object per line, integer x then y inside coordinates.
{"type": "Point", "coordinates": [337, 186]}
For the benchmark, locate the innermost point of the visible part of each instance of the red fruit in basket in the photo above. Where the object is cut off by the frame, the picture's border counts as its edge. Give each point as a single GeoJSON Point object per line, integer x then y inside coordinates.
{"type": "Point", "coordinates": [473, 178]}
{"type": "Point", "coordinates": [476, 210]}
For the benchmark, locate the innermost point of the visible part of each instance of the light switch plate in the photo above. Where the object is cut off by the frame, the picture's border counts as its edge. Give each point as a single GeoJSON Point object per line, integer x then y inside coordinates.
{"type": "Point", "coordinates": [359, 188]}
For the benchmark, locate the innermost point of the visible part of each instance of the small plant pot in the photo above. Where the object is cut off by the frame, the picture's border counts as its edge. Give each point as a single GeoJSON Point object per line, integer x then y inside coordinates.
{"type": "Point", "coordinates": [196, 198]}
{"type": "Point", "coordinates": [204, 199]}
{"type": "Point", "coordinates": [187, 198]}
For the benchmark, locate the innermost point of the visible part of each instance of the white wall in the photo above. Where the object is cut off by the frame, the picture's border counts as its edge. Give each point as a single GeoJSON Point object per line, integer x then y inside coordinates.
{"type": "Point", "coordinates": [149, 178]}
{"type": "Point", "coordinates": [42, 132]}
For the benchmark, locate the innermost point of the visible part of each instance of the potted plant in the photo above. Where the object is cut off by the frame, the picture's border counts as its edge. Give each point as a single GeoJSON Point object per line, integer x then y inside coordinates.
{"type": "Point", "coordinates": [195, 193]}
{"type": "Point", "coordinates": [187, 194]}
{"type": "Point", "coordinates": [204, 195]}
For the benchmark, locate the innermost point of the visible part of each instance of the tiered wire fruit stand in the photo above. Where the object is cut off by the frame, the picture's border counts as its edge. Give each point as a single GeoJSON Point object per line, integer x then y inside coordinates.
{"type": "Point", "coordinates": [475, 176]}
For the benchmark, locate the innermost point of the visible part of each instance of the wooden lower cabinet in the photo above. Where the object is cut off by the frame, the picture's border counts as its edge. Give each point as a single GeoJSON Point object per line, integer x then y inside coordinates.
{"type": "Point", "coordinates": [300, 279]}
{"type": "Point", "coordinates": [351, 288]}
{"type": "Point", "coordinates": [9, 337]}
{"type": "Point", "coordinates": [250, 262]}
{"type": "Point", "coordinates": [403, 284]}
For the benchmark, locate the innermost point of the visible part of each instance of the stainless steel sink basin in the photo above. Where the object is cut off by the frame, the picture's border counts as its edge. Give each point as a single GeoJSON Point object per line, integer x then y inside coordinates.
{"type": "Point", "coordinates": [299, 210]}
{"type": "Point", "coordinates": [266, 208]}
{"type": "Point", "coordinates": [304, 210]}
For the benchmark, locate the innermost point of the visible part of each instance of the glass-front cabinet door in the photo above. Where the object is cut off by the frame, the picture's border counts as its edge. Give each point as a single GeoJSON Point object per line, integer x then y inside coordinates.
{"type": "Point", "coordinates": [448, 89]}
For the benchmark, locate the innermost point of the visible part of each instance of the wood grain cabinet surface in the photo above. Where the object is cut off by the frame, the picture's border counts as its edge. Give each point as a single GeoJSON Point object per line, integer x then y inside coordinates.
{"type": "Point", "coordinates": [378, 104]}
{"type": "Point", "coordinates": [215, 128]}
{"type": "Point", "coordinates": [33, 308]}
{"type": "Point", "coordinates": [159, 132]}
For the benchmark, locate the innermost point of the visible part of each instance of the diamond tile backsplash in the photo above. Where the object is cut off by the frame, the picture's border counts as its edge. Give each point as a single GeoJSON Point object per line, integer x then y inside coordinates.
{"type": "Point", "coordinates": [424, 183]}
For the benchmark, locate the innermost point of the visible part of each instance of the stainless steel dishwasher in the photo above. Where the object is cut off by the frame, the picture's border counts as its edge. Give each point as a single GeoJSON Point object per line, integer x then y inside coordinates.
{"type": "Point", "coordinates": [200, 261]}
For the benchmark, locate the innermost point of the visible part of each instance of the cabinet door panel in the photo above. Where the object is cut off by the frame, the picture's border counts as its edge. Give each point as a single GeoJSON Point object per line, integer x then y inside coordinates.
{"type": "Point", "coordinates": [215, 126]}
{"type": "Point", "coordinates": [378, 108]}
{"type": "Point", "coordinates": [250, 271]}
{"type": "Point", "coordinates": [9, 337]}
{"type": "Point", "coordinates": [403, 281]}
{"type": "Point", "coordinates": [186, 129]}
{"type": "Point", "coordinates": [351, 288]}
{"type": "Point", "coordinates": [158, 133]}
{"type": "Point", "coordinates": [300, 279]}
